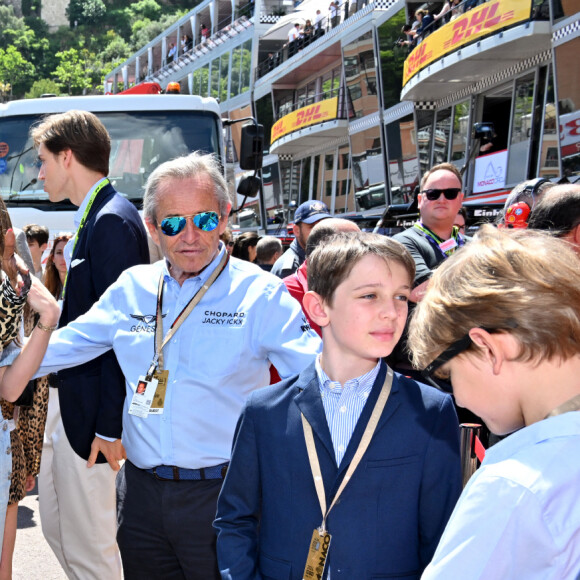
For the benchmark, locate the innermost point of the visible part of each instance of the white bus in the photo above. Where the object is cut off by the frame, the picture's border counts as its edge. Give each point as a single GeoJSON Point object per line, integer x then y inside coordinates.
{"type": "Point", "coordinates": [145, 130]}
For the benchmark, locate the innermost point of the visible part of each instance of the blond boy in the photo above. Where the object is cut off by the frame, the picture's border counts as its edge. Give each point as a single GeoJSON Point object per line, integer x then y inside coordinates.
{"type": "Point", "coordinates": [389, 515]}
{"type": "Point", "coordinates": [502, 319]}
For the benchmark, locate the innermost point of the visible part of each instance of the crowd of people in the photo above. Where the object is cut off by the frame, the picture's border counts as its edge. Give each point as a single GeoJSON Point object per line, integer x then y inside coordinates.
{"type": "Point", "coordinates": [425, 22]}
{"type": "Point", "coordinates": [167, 455]}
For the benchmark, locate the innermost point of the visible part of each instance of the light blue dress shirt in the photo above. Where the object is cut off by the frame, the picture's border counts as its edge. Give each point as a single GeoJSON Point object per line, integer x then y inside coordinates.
{"type": "Point", "coordinates": [218, 356]}
{"type": "Point", "coordinates": [343, 405]}
{"type": "Point", "coordinates": [519, 515]}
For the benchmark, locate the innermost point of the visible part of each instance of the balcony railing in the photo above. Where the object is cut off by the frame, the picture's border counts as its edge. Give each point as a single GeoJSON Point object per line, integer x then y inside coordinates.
{"type": "Point", "coordinates": [469, 21]}
{"type": "Point", "coordinates": [326, 106]}
{"type": "Point", "coordinates": [344, 10]}
{"type": "Point", "coordinates": [228, 31]}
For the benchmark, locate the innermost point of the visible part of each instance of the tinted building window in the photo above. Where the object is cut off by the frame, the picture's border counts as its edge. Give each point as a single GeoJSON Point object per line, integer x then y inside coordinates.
{"type": "Point", "coordinates": [392, 58]}
{"type": "Point", "coordinates": [368, 167]}
{"type": "Point", "coordinates": [403, 161]}
{"type": "Point", "coordinates": [568, 79]}
{"type": "Point", "coordinates": [361, 75]}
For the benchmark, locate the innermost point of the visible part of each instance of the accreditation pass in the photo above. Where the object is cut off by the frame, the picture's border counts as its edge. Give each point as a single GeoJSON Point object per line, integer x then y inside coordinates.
{"type": "Point", "coordinates": [143, 397]}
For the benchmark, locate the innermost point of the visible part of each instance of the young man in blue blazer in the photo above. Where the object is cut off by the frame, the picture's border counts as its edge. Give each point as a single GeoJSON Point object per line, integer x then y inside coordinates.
{"type": "Point", "coordinates": [77, 505]}
{"type": "Point", "coordinates": [327, 479]}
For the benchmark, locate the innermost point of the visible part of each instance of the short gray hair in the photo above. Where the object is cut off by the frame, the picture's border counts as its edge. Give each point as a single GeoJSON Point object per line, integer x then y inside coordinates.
{"type": "Point", "coordinates": [267, 248]}
{"type": "Point", "coordinates": [192, 165]}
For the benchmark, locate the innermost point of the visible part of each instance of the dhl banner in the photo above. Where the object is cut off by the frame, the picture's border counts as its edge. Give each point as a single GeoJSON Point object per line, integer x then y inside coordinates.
{"type": "Point", "coordinates": [478, 22]}
{"type": "Point", "coordinates": [304, 117]}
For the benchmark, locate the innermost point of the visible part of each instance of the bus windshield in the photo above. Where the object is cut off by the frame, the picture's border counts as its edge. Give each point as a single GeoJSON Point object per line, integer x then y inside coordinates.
{"type": "Point", "coordinates": [140, 141]}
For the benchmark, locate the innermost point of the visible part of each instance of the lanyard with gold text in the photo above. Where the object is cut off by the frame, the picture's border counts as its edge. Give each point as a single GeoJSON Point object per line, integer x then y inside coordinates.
{"type": "Point", "coordinates": [104, 182]}
{"type": "Point", "coordinates": [160, 342]}
{"type": "Point", "coordinates": [363, 445]}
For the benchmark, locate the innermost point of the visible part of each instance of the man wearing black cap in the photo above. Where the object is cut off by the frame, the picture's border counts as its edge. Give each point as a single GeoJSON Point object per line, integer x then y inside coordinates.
{"type": "Point", "coordinates": [307, 214]}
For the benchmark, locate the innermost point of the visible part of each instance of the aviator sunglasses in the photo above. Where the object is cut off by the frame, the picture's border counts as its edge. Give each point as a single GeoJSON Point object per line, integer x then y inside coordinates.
{"type": "Point", "coordinates": [449, 193]}
{"type": "Point", "coordinates": [206, 221]}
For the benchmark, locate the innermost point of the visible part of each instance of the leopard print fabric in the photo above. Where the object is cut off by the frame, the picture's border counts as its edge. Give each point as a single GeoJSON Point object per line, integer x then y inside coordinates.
{"type": "Point", "coordinates": [11, 307]}
{"type": "Point", "coordinates": [26, 439]}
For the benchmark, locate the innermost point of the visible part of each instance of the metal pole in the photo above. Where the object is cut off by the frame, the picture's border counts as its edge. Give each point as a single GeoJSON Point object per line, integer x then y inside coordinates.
{"type": "Point", "coordinates": [469, 431]}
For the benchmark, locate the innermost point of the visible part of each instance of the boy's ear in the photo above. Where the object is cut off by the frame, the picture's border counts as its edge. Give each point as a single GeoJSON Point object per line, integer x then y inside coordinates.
{"type": "Point", "coordinates": [495, 348]}
{"type": "Point", "coordinates": [314, 306]}
{"type": "Point", "coordinates": [576, 236]}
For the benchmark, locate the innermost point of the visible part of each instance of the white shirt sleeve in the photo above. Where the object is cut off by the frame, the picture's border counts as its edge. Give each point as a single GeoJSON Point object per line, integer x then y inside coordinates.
{"type": "Point", "coordinates": [282, 334]}
{"type": "Point", "coordinates": [497, 531]}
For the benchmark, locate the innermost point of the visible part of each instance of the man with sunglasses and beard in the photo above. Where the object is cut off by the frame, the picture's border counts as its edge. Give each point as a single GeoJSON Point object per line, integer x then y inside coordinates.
{"type": "Point", "coordinates": [200, 329]}
{"type": "Point", "coordinates": [432, 239]}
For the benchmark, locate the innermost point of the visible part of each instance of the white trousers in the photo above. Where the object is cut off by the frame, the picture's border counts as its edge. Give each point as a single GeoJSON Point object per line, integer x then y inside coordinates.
{"type": "Point", "coordinates": [77, 506]}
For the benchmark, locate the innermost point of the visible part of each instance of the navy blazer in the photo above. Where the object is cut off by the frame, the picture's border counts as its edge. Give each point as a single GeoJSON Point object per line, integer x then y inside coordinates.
{"type": "Point", "coordinates": [390, 516]}
{"type": "Point", "coordinates": [91, 395]}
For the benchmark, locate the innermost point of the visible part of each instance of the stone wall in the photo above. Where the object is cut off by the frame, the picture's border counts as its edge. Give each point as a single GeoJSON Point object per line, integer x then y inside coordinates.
{"type": "Point", "coordinates": [53, 13]}
{"type": "Point", "coordinates": [17, 5]}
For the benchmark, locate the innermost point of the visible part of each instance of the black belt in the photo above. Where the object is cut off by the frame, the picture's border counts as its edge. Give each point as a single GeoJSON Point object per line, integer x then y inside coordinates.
{"type": "Point", "coordinates": [172, 473]}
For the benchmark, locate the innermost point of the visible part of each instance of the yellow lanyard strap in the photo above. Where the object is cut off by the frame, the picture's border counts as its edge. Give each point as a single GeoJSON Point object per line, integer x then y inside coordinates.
{"type": "Point", "coordinates": [362, 447]}
{"type": "Point", "coordinates": [82, 225]}
{"type": "Point", "coordinates": [160, 342]}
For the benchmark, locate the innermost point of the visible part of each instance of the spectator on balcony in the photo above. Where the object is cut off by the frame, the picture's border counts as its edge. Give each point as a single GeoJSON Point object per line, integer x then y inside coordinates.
{"type": "Point", "coordinates": [308, 33]}
{"type": "Point", "coordinates": [425, 20]}
{"type": "Point", "coordinates": [333, 9]}
{"type": "Point", "coordinates": [186, 43]}
{"type": "Point", "coordinates": [271, 62]}
{"type": "Point", "coordinates": [469, 4]}
{"type": "Point", "coordinates": [319, 30]}
{"type": "Point", "coordinates": [444, 14]}
{"type": "Point", "coordinates": [204, 31]}
{"type": "Point", "coordinates": [409, 39]}
{"type": "Point", "coordinates": [293, 39]}
{"type": "Point", "coordinates": [456, 9]}
{"type": "Point", "coordinates": [172, 53]}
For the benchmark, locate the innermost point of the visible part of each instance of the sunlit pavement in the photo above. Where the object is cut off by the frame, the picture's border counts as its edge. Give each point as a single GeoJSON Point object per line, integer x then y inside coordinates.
{"type": "Point", "coordinates": [33, 559]}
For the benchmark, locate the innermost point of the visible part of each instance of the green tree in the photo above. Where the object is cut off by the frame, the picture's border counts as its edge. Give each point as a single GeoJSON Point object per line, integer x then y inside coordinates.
{"type": "Point", "coordinates": [81, 12]}
{"type": "Point", "coordinates": [15, 68]}
{"type": "Point", "coordinates": [116, 49]}
{"type": "Point", "coordinates": [42, 87]}
{"type": "Point", "coordinates": [144, 31]}
{"type": "Point", "coordinates": [145, 10]}
{"type": "Point", "coordinates": [11, 26]}
{"type": "Point", "coordinates": [71, 73]}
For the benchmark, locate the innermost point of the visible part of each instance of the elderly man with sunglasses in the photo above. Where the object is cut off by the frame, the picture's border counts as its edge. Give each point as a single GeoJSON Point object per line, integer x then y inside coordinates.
{"type": "Point", "coordinates": [433, 238]}
{"type": "Point", "coordinates": [198, 331]}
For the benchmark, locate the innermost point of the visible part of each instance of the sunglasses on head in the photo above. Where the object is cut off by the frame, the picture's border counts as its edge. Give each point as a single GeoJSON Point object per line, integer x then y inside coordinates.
{"type": "Point", "coordinates": [449, 193]}
{"type": "Point", "coordinates": [206, 221]}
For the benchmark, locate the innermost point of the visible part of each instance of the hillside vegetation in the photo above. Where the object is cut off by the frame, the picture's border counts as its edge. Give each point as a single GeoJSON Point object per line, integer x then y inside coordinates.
{"type": "Point", "coordinates": [75, 59]}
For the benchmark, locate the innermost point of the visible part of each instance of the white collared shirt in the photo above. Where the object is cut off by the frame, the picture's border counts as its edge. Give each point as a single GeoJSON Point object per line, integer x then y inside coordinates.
{"type": "Point", "coordinates": [519, 515]}
{"type": "Point", "coordinates": [343, 405]}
